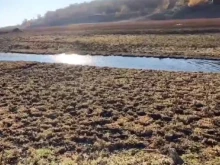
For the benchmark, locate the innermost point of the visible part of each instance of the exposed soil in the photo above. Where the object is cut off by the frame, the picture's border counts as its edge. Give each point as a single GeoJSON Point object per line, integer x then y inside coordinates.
{"type": "Point", "coordinates": [133, 39]}
{"type": "Point", "coordinates": [67, 109]}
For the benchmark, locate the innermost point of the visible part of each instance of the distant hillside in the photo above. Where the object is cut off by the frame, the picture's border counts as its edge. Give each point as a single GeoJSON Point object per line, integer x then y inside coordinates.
{"type": "Point", "coordinates": [207, 9]}
{"type": "Point", "coordinates": [118, 10]}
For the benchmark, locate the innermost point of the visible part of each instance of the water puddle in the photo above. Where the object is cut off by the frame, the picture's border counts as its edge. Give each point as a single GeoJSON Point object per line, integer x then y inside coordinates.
{"type": "Point", "coordinates": [166, 64]}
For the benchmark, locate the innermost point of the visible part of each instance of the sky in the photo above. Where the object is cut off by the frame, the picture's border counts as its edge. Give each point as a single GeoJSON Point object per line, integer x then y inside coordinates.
{"type": "Point", "coordinates": [13, 12]}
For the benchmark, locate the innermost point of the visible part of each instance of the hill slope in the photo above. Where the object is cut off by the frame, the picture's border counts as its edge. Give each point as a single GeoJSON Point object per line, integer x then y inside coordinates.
{"type": "Point", "coordinates": [112, 10]}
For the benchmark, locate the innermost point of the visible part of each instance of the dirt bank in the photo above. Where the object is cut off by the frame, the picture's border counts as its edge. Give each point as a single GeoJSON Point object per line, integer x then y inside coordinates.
{"type": "Point", "coordinates": [203, 46]}
{"type": "Point", "coordinates": [52, 112]}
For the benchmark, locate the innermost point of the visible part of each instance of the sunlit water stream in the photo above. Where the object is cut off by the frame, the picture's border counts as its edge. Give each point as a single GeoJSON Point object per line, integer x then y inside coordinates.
{"type": "Point", "coordinates": [166, 64]}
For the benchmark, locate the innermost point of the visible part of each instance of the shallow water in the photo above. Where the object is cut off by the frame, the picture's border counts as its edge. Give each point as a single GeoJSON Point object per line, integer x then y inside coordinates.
{"type": "Point", "coordinates": [166, 64]}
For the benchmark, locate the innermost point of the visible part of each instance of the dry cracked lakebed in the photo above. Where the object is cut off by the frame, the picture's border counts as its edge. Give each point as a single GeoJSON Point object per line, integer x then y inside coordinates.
{"type": "Point", "coordinates": [52, 113]}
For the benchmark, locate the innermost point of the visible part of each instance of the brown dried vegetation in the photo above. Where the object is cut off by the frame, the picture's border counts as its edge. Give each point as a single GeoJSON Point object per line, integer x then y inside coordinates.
{"type": "Point", "coordinates": [57, 110]}
{"type": "Point", "coordinates": [156, 39]}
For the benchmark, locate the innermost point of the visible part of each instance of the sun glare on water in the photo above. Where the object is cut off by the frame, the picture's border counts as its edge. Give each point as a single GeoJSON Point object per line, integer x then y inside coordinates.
{"type": "Point", "coordinates": [73, 59]}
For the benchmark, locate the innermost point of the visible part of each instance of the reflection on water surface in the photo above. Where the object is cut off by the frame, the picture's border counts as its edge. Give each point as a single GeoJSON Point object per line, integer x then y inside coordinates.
{"type": "Point", "coordinates": [168, 64]}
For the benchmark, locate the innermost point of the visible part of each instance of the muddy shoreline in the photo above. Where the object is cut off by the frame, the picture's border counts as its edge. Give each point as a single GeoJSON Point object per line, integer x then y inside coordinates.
{"type": "Point", "coordinates": [186, 46]}
{"type": "Point", "coordinates": [57, 110]}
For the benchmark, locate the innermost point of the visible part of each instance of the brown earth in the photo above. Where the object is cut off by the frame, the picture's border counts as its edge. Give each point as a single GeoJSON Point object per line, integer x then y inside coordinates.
{"type": "Point", "coordinates": [52, 112]}
{"type": "Point", "coordinates": [176, 38]}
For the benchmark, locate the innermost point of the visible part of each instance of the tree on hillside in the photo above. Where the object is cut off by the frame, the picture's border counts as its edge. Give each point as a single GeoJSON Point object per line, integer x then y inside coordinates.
{"type": "Point", "coordinates": [78, 12]}
{"type": "Point", "coordinates": [112, 10]}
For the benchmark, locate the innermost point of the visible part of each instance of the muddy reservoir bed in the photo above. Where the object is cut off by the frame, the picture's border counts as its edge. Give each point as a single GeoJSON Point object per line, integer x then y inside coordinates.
{"type": "Point", "coordinates": [55, 109]}
{"type": "Point", "coordinates": [202, 46]}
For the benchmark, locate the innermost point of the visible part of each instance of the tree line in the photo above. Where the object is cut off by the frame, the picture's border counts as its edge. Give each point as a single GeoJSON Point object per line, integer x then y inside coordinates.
{"type": "Point", "coordinates": [115, 10]}
{"type": "Point", "coordinates": [95, 11]}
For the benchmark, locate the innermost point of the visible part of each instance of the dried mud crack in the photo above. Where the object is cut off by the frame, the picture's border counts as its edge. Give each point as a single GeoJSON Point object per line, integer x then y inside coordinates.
{"type": "Point", "coordinates": [52, 113]}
